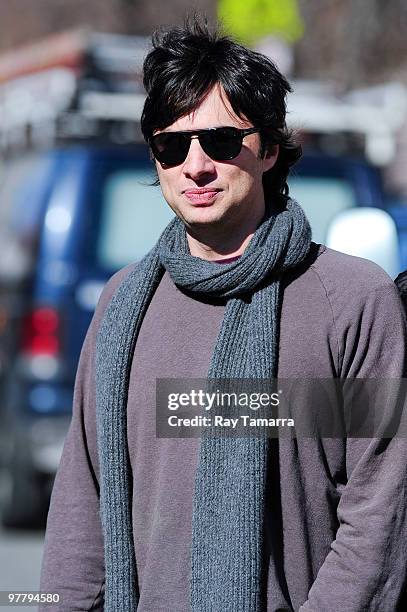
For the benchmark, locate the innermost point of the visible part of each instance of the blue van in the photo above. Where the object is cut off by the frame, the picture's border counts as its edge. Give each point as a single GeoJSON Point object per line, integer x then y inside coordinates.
{"type": "Point", "coordinates": [69, 218]}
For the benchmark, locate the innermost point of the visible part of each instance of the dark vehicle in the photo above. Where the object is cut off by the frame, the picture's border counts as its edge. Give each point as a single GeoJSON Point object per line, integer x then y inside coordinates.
{"type": "Point", "coordinates": [91, 211]}
{"type": "Point", "coordinates": [69, 186]}
{"type": "Point", "coordinates": [76, 204]}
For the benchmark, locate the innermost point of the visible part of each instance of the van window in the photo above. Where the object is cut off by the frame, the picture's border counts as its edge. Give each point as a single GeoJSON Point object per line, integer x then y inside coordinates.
{"type": "Point", "coordinates": [22, 180]}
{"type": "Point", "coordinates": [19, 178]}
{"type": "Point", "coordinates": [321, 198]}
{"type": "Point", "coordinates": [133, 215]}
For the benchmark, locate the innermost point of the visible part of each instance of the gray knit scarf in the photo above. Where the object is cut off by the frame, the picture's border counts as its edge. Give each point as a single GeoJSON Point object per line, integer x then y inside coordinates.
{"type": "Point", "coordinates": [227, 564]}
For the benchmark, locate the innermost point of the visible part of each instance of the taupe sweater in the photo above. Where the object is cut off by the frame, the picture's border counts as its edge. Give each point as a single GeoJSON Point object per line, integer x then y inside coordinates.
{"type": "Point", "coordinates": [337, 520]}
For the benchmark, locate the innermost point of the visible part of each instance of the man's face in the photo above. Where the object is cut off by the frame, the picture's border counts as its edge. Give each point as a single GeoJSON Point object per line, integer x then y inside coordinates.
{"type": "Point", "coordinates": [216, 195]}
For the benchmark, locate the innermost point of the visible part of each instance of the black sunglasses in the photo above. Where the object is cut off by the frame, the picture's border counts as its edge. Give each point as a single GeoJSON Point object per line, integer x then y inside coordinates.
{"type": "Point", "coordinates": [221, 144]}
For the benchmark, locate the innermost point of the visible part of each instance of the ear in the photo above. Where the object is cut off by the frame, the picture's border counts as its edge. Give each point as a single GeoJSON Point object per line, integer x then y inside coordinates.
{"type": "Point", "coordinates": [270, 157]}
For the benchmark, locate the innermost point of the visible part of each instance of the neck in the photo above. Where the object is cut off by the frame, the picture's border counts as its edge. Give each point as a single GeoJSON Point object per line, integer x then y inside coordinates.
{"type": "Point", "coordinates": [220, 242]}
{"type": "Point", "coordinates": [212, 250]}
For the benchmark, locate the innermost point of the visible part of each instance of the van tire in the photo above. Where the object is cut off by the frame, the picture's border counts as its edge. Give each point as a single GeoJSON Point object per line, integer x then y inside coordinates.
{"type": "Point", "coordinates": [25, 503]}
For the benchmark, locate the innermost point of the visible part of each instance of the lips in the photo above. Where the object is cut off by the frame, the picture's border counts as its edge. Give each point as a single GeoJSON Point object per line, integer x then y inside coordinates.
{"type": "Point", "coordinates": [204, 196]}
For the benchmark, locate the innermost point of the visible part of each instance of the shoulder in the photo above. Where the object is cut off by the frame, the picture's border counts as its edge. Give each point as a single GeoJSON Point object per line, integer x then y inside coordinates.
{"type": "Point", "coordinates": [362, 300]}
{"type": "Point", "coordinates": [350, 274]}
{"type": "Point", "coordinates": [355, 286]}
{"type": "Point", "coordinates": [343, 282]}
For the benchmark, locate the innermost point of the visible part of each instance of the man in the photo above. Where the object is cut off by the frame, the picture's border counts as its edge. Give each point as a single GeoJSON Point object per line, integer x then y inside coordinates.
{"type": "Point", "coordinates": [233, 289]}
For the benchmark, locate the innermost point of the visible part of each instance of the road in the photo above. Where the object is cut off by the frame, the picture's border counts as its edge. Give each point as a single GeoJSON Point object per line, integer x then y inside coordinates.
{"type": "Point", "coordinates": [20, 563]}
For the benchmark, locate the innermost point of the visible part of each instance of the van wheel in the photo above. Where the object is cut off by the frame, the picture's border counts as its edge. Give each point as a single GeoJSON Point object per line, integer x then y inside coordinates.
{"type": "Point", "coordinates": [25, 505]}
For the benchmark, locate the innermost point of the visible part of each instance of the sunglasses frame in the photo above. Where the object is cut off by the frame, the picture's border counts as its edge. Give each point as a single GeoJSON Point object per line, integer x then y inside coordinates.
{"type": "Point", "coordinates": [240, 134]}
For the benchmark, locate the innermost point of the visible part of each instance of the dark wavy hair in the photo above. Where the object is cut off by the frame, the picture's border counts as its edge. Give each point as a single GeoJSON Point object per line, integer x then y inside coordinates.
{"type": "Point", "coordinates": [187, 62]}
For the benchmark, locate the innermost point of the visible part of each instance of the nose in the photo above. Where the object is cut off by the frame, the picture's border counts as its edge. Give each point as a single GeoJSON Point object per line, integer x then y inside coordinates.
{"type": "Point", "coordinates": [197, 163]}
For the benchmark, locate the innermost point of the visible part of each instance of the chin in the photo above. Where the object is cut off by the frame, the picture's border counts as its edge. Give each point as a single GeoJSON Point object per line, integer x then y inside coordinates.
{"type": "Point", "coordinates": [202, 217]}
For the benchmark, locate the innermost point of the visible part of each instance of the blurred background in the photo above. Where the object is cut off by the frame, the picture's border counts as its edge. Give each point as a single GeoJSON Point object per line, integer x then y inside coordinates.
{"type": "Point", "coordinates": [76, 202]}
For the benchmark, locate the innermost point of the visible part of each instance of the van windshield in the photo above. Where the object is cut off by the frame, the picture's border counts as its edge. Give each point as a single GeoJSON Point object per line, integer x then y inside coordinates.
{"type": "Point", "coordinates": [134, 213]}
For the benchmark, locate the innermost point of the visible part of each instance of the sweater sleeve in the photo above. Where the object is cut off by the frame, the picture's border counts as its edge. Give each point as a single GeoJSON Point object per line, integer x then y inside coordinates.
{"type": "Point", "coordinates": [73, 557]}
{"type": "Point", "coordinates": [366, 566]}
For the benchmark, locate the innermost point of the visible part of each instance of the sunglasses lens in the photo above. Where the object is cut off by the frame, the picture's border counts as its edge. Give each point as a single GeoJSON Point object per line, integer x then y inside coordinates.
{"type": "Point", "coordinates": [169, 148]}
{"type": "Point", "coordinates": [222, 144]}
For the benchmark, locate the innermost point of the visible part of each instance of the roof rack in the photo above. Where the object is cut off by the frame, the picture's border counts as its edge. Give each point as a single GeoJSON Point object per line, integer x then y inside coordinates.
{"type": "Point", "coordinates": [74, 85]}
{"type": "Point", "coordinates": [80, 85]}
{"type": "Point", "coordinates": [374, 114]}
